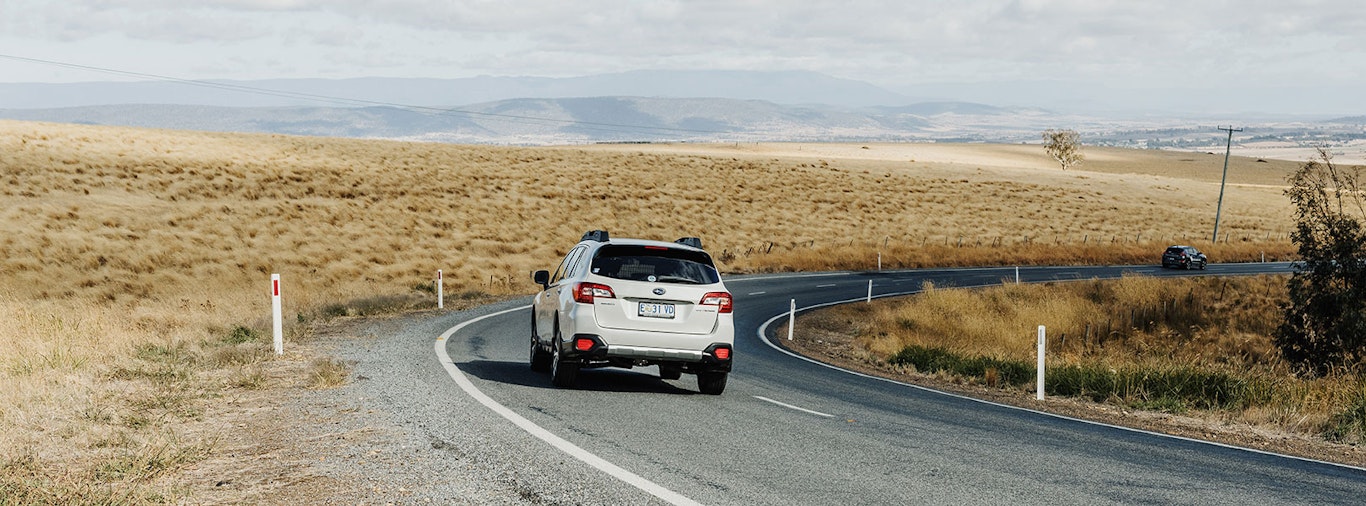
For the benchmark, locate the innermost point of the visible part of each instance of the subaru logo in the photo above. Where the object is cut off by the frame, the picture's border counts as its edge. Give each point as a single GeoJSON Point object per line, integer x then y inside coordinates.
{"type": "Point", "coordinates": [658, 291]}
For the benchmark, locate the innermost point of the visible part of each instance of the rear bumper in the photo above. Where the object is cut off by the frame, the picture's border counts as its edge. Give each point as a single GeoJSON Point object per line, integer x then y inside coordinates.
{"type": "Point", "coordinates": [602, 353]}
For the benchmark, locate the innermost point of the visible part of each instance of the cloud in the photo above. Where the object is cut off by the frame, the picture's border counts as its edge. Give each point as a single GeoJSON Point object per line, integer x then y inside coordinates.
{"type": "Point", "coordinates": [888, 42]}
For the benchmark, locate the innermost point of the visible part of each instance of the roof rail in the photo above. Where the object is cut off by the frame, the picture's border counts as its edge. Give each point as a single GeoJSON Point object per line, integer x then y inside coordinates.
{"type": "Point", "coordinates": [596, 235]}
{"type": "Point", "coordinates": [695, 242]}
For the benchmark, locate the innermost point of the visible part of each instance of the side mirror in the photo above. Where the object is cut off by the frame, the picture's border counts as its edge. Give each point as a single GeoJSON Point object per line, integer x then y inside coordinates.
{"type": "Point", "coordinates": [541, 278]}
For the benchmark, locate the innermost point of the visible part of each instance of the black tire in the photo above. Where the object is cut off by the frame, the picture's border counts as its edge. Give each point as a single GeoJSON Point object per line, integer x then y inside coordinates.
{"type": "Point", "coordinates": [540, 360]}
{"type": "Point", "coordinates": [711, 383]}
{"type": "Point", "coordinates": [1203, 264]}
{"type": "Point", "coordinates": [670, 372]}
{"type": "Point", "coordinates": [563, 373]}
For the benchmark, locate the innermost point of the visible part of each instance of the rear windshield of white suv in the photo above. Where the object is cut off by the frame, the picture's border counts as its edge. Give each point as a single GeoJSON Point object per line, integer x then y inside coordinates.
{"type": "Point", "coordinates": [656, 264]}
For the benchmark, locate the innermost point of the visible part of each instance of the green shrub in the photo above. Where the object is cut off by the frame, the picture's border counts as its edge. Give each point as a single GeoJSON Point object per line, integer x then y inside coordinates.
{"type": "Point", "coordinates": [932, 360]}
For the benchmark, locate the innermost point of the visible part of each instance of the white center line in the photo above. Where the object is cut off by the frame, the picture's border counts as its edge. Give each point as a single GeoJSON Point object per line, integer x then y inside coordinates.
{"type": "Point", "coordinates": [789, 406]}
{"type": "Point", "coordinates": [758, 293]}
{"type": "Point", "coordinates": [825, 286]}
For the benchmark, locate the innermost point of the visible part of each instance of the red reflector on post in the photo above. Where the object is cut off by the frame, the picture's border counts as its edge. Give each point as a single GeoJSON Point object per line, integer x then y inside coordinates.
{"type": "Point", "coordinates": [583, 344]}
{"type": "Point", "coordinates": [723, 353]}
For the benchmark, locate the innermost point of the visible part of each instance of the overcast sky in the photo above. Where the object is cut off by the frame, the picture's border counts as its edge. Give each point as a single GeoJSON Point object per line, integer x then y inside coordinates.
{"type": "Point", "coordinates": [901, 45]}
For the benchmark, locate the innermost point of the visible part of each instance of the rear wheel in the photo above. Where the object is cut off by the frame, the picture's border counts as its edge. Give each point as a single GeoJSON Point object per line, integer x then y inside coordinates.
{"type": "Point", "coordinates": [711, 383]}
{"type": "Point", "coordinates": [563, 373]}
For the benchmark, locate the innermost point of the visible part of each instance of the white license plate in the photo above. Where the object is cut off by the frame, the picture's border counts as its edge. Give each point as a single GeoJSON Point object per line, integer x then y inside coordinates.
{"type": "Point", "coordinates": [653, 310]}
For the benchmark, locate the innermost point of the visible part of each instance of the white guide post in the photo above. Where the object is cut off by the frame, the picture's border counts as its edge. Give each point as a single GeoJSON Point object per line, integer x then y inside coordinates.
{"type": "Point", "coordinates": [279, 324]}
{"type": "Point", "coordinates": [440, 287]}
{"type": "Point", "coordinates": [879, 260]}
{"type": "Point", "coordinates": [1017, 275]}
{"type": "Point", "coordinates": [870, 291]}
{"type": "Point", "coordinates": [791, 319]}
{"type": "Point", "coordinates": [1038, 392]}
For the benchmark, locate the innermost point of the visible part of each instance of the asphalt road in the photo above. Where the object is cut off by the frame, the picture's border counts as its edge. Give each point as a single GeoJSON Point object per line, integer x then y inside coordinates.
{"type": "Point", "coordinates": [789, 431]}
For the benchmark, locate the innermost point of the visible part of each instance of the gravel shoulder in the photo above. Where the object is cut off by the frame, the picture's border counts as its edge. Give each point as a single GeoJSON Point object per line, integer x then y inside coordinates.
{"type": "Point", "coordinates": [399, 432]}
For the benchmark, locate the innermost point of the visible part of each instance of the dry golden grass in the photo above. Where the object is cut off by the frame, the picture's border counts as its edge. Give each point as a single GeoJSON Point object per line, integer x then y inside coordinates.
{"type": "Point", "coordinates": [1194, 321]}
{"type": "Point", "coordinates": [1212, 328]}
{"type": "Point", "coordinates": [129, 256]}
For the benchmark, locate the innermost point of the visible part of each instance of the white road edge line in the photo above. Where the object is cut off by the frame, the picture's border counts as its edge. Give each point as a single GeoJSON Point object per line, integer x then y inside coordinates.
{"type": "Point", "coordinates": [789, 406]}
{"type": "Point", "coordinates": [572, 449]}
{"type": "Point", "coordinates": [762, 337]}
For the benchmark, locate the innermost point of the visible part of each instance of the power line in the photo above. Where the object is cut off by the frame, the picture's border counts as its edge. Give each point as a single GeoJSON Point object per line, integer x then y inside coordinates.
{"type": "Point", "coordinates": [227, 86]}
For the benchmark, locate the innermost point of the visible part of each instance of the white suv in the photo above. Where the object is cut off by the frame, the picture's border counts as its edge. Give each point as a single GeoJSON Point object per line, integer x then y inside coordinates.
{"type": "Point", "coordinates": [634, 303]}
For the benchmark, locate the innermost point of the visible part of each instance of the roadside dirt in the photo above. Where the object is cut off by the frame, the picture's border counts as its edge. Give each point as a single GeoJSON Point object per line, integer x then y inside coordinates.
{"type": "Point", "coordinates": [839, 349]}
{"type": "Point", "coordinates": [271, 441]}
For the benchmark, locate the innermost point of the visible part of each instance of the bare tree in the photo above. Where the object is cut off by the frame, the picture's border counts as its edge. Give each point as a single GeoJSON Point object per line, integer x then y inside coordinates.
{"type": "Point", "coordinates": [1064, 146]}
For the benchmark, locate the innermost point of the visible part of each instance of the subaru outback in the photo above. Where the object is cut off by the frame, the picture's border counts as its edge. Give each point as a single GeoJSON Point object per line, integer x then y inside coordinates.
{"type": "Point", "coordinates": [634, 303]}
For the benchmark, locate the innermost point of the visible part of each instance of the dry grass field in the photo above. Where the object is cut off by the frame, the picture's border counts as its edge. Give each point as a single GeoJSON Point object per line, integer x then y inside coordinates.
{"type": "Point", "coordinates": [134, 263]}
{"type": "Point", "coordinates": [1192, 346]}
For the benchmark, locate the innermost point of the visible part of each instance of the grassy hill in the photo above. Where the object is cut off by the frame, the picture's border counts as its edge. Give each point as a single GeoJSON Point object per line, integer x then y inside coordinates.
{"type": "Point", "coordinates": [134, 263]}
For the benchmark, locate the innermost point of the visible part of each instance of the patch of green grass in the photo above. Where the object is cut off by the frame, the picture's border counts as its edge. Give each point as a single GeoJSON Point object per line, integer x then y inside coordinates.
{"type": "Point", "coordinates": [1172, 389]}
{"type": "Point", "coordinates": [1349, 425]}
{"type": "Point", "coordinates": [932, 360]}
{"type": "Point", "coordinates": [241, 334]}
{"type": "Point", "coordinates": [177, 352]}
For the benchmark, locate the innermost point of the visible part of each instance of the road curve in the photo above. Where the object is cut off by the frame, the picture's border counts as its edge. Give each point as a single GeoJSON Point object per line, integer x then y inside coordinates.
{"type": "Point", "coordinates": [789, 431]}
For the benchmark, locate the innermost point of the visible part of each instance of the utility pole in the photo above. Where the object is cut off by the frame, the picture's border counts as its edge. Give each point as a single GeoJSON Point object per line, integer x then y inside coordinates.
{"type": "Point", "coordinates": [1220, 209]}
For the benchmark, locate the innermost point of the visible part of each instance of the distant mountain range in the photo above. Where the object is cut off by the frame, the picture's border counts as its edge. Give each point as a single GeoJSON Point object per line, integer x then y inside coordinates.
{"type": "Point", "coordinates": [645, 106]}
{"type": "Point", "coordinates": [545, 120]}
{"type": "Point", "coordinates": [778, 87]}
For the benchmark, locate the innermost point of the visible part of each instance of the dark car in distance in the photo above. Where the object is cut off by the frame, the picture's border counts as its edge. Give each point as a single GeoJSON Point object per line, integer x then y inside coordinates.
{"type": "Point", "coordinates": [1185, 257]}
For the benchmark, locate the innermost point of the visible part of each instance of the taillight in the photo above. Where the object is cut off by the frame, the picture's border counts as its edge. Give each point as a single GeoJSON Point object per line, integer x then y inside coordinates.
{"type": "Point", "coordinates": [584, 293]}
{"type": "Point", "coordinates": [721, 300]}
{"type": "Point", "coordinates": [722, 353]}
{"type": "Point", "coordinates": [583, 344]}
